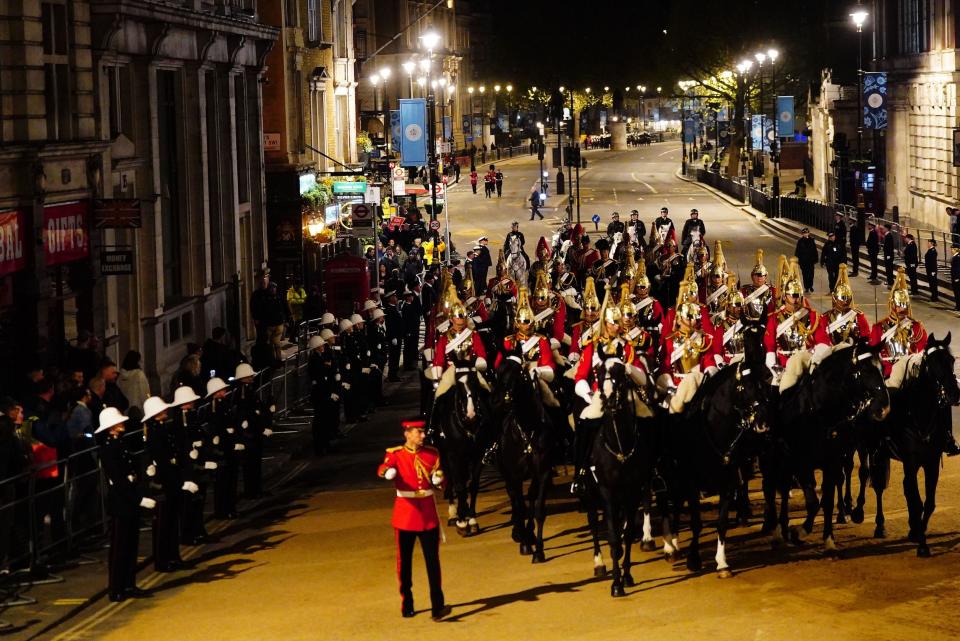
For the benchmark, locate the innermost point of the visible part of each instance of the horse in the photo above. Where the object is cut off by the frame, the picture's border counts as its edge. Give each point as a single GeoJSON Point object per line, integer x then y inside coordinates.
{"type": "Point", "coordinates": [915, 435]}
{"type": "Point", "coordinates": [621, 464]}
{"type": "Point", "coordinates": [517, 262]}
{"type": "Point", "coordinates": [724, 427]}
{"type": "Point", "coordinates": [809, 433]}
{"type": "Point", "coordinates": [525, 451]}
{"type": "Point", "coordinates": [462, 417]}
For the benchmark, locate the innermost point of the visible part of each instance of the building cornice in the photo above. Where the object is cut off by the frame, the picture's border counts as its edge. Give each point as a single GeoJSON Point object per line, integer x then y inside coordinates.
{"type": "Point", "coordinates": [183, 17]}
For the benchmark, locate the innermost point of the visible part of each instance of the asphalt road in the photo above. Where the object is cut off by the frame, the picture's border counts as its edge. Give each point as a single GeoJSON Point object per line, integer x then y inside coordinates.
{"type": "Point", "coordinates": [319, 563]}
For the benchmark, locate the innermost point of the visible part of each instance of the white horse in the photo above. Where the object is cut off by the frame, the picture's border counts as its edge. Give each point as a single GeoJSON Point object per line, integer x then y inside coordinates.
{"type": "Point", "coordinates": [516, 263]}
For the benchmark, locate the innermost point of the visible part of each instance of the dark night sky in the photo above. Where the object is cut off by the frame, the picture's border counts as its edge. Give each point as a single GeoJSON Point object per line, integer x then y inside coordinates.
{"type": "Point", "coordinates": [621, 42]}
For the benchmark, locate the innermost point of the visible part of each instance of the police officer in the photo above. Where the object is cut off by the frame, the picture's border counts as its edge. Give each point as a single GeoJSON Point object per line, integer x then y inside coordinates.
{"type": "Point", "coordinates": [911, 260]}
{"type": "Point", "coordinates": [415, 471]}
{"type": "Point", "coordinates": [124, 500]}
{"type": "Point", "coordinates": [930, 260]}
{"type": "Point", "coordinates": [394, 327]}
{"type": "Point", "coordinates": [873, 250]}
{"type": "Point", "coordinates": [225, 437]}
{"type": "Point", "coordinates": [196, 461]}
{"type": "Point", "coordinates": [615, 226]}
{"type": "Point", "coordinates": [161, 438]}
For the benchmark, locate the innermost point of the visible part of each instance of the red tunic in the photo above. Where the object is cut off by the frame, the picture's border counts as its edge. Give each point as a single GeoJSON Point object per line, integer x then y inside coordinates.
{"type": "Point", "coordinates": [496, 280]}
{"type": "Point", "coordinates": [559, 320]}
{"type": "Point", "coordinates": [706, 325]}
{"type": "Point", "coordinates": [544, 353]}
{"type": "Point", "coordinates": [440, 354]}
{"type": "Point", "coordinates": [414, 469]}
{"type": "Point", "coordinates": [577, 336]}
{"type": "Point", "coordinates": [671, 367]}
{"type": "Point", "coordinates": [823, 332]}
{"type": "Point", "coordinates": [918, 342]}
{"type": "Point", "coordinates": [586, 369]}
{"type": "Point", "coordinates": [777, 346]}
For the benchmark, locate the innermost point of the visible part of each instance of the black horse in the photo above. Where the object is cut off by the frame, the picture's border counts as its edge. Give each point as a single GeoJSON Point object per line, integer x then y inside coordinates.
{"type": "Point", "coordinates": [915, 434]}
{"type": "Point", "coordinates": [461, 424]}
{"type": "Point", "coordinates": [723, 427]}
{"type": "Point", "coordinates": [621, 466]}
{"type": "Point", "coordinates": [525, 451]}
{"type": "Point", "coordinates": [809, 434]}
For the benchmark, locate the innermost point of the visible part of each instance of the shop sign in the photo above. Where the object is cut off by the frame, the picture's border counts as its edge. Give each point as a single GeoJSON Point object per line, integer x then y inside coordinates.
{"type": "Point", "coordinates": [116, 262]}
{"type": "Point", "coordinates": [65, 237]}
{"type": "Point", "coordinates": [11, 242]}
{"type": "Point", "coordinates": [350, 187]}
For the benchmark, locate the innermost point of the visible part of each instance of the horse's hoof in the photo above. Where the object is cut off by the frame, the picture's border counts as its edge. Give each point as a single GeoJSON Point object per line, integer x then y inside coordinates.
{"type": "Point", "coordinates": [795, 537]}
{"type": "Point", "coordinates": [841, 519]}
{"type": "Point", "coordinates": [463, 531]}
{"type": "Point", "coordinates": [923, 551]}
{"type": "Point", "coordinates": [768, 527]}
{"type": "Point", "coordinates": [516, 536]}
{"type": "Point", "coordinates": [599, 571]}
{"type": "Point", "coordinates": [648, 546]}
{"type": "Point", "coordinates": [538, 557]}
{"type": "Point", "coordinates": [880, 532]}
{"type": "Point", "coordinates": [913, 537]}
{"type": "Point", "coordinates": [725, 573]}
{"type": "Point", "coordinates": [526, 549]}
{"type": "Point", "coordinates": [670, 557]}
{"type": "Point", "coordinates": [694, 564]}
{"type": "Point", "coordinates": [474, 528]}
{"type": "Point", "coordinates": [628, 581]}
{"type": "Point", "coordinates": [856, 515]}
{"type": "Point", "coordinates": [616, 590]}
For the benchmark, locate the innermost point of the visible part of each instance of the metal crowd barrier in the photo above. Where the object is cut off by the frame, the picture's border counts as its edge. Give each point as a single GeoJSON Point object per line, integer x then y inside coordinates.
{"type": "Point", "coordinates": [49, 524]}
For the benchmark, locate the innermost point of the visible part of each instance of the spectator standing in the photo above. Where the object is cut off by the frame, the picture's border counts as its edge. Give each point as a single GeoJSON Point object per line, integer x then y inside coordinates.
{"type": "Point", "coordinates": [132, 382]}
{"type": "Point", "coordinates": [498, 179]}
{"type": "Point", "coordinates": [888, 252]}
{"type": "Point", "coordinates": [854, 234]}
{"type": "Point", "coordinates": [268, 312]}
{"type": "Point", "coordinates": [954, 215]}
{"type": "Point", "coordinates": [84, 356]}
{"type": "Point", "coordinates": [112, 396]}
{"type": "Point", "coordinates": [840, 232]}
{"type": "Point", "coordinates": [911, 260]}
{"type": "Point", "coordinates": [482, 263]}
{"type": "Point", "coordinates": [456, 171]}
{"type": "Point", "coordinates": [832, 257]}
{"type": "Point", "coordinates": [535, 205]}
{"type": "Point", "coordinates": [806, 253]}
{"type": "Point", "coordinates": [930, 260]}
{"type": "Point", "coordinates": [14, 460]}
{"type": "Point", "coordinates": [189, 374]}
{"type": "Point", "coordinates": [873, 250]}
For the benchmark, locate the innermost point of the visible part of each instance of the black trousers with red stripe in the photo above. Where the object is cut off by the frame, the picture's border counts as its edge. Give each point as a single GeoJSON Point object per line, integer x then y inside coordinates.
{"type": "Point", "coordinates": [430, 544]}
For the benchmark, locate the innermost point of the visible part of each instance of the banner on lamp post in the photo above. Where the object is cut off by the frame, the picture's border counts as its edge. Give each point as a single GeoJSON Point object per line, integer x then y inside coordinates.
{"type": "Point", "coordinates": [395, 132]}
{"type": "Point", "coordinates": [466, 125]}
{"type": "Point", "coordinates": [689, 130]}
{"type": "Point", "coordinates": [758, 123]}
{"type": "Point", "coordinates": [786, 122]}
{"type": "Point", "coordinates": [447, 128]}
{"type": "Point", "coordinates": [413, 128]}
{"type": "Point", "coordinates": [875, 100]}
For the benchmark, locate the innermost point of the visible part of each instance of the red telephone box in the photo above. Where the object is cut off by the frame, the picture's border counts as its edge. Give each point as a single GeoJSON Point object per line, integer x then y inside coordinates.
{"type": "Point", "coordinates": [346, 282]}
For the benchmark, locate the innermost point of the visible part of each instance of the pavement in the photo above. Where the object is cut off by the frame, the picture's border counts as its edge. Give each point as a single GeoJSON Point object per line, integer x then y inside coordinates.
{"type": "Point", "coordinates": [317, 561]}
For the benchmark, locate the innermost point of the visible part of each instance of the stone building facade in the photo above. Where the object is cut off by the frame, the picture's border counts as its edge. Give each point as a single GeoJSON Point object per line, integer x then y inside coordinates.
{"type": "Point", "coordinates": [157, 101]}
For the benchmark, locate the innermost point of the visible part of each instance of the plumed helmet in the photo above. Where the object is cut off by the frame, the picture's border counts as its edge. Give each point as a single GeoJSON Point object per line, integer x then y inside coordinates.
{"type": "Point", "coordinates": [842, 292]}
{"type": "Point", "coordinates": [541, 290]}
{"type": "Point", "coordinates": [629, 269]}
{"type": "Point", "coordinates": [640, 278]}
{"type": "Point", "coordinates": [591, 303]}
{"type": "Point", "coordinates": [719, 261]}
{"type": "Point", "coordinates": [467, 286]}
{"type": "Point", "coordinates": [689, 312]}
{"type": "Point", "coordinates": [524, 311]}
{"type": "Point", "coordinates": [452, 303]}
{"type": "Point", "coordinates": [543, 249]}
{"type": "Point", "coordinates": [627, 308]}
{"type": "Point", "coordinates": [734, 295]}
{"type": "Point", "coordinates": [900, 292]}
{"type": "Point", "coordinates": [609, 312]}
{"type": "Point", "coordinates": [501, 263]}
{"type": "Point", "coordinates": [794, 282]}
{"type": "Point", "coordinates": [783, 273]}
{"type": "Point", "coordinates": [759, 269]}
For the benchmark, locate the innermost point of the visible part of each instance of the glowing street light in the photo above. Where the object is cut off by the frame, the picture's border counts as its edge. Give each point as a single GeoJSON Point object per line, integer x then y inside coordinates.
{"type": "Point", "coordinates": [773, 54]}
{"type": "Point", "coordinates": [385, 73]}
{"type": "Point", "coordinates": [859, 17]}
{"type": "Point", "coordinates": [430, 40]}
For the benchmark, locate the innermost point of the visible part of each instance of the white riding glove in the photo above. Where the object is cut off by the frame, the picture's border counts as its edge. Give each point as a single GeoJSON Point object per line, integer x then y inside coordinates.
{"type": "Point", "coordinates": [148, 503]}
{"type": "Point", "coordinates": [190, 486]}
{"type": "Point", "coordinates": [334, 397]}
{"type": "Point", "coordinates": [210, 465]}
{"type": "Point", "coordinates": [268, 432]}
{"type": "Point", "coordinates": [239, 447]}
{"type": "Point", "coordinates": [437, 479]}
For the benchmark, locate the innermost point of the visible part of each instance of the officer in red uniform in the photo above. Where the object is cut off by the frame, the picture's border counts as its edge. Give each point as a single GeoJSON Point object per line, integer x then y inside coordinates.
{"type": "Point", "coordinates": [415, 471]}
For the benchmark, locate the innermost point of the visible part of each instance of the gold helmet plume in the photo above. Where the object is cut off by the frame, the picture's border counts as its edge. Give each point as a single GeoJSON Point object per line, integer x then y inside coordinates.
{"type": "Point", "coordinates": [900, 293]}
{"type": "Point", "coordinates": [591, 303]}
{"type": "Point", "coordinates": [541, 289]}
{"type": "Point", "coordinates": [525, 313]}
{"type": "Point", "coordinates": [640, 278]}
{"type": "Point", "coordinates": [469, 291]}
{"type": "Point", "coordinates": [690, 277]}
{"type": "Point", "coordinates": [794, 284]}
{"type": "Point", "coordinates": [452, 304]}
{"type": "Point", "coordinates": [627, 308]}
{"type": "Point", "coordinates": [842, 292]}
{"type": "Point", "coordinates": [759, 269]}
{"type": "Point", "coordinates": [609, 312]}
{"type": "Point", "coordinates": [501, 264]}
{"type": "Point", "coordinates": [783, 275]}
{"type": "Point", "coordinates": [630, 269]}
{"type": "Point", "coordinates": [734, 295]}
{"type": "Point", "coordinates": [719, 261]}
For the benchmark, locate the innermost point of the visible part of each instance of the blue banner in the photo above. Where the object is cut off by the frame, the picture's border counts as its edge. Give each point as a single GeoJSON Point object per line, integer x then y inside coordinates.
{"type": "Point", "coordinates": [413, 127]}
{"type": "Point", "coordinates": [875, 100]}
{"type": "Point", "coordinates": [447, 128]}
{"type": "Point", "coordinates": [689, 130]}
{"type": "Point", "coordinates": [466, 124]}
{"type": "Point", "coordinates": [477, 127]}
{"type": "Point", "coordinates": [785, 117]}
{"type": "Point", "coordinates": [503, 122]}
{"type": "Point", "coordinates": [395, 128]}
{"type": "Point", "coordinates": [724, 132]}
{"type": "Point", "coordinates": [756, 133]}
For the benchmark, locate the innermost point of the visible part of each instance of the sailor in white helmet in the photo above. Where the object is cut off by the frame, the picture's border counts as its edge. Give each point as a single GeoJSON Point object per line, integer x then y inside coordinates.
{"type": "Point", "coordinates": [226, 439]}
{"type": "Point", "coordinates": [324, 391]}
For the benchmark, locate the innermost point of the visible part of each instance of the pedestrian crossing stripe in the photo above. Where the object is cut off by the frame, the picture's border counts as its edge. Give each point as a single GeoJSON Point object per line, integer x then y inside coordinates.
{"type": "Point", "coordinates": [62, 602]}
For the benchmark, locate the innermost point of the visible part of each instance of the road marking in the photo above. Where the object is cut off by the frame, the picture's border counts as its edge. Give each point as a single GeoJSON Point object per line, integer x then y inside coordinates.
{"type": "Point", "coordinates": [68, 601]}
{"type": "Point", "coordinates": [669, 151]}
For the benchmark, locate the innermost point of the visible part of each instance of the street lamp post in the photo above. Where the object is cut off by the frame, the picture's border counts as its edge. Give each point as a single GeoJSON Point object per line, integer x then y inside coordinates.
{"type": "Point", "coordinates": [660, 112]}
{"type": "Point", "coordinates": [761, 58]}
{"type": "Point", "coordinates": [573, 139]}
{"type": "Point", "coordinates": [385, 106]}
{"type": "Point", "coordinates": [859, 17]}
{"type": "Point", "coordinates": [409, 66]}
{"type": "Point", "coordinates": [742, 69]}
{"type": "Point", "coordinates": [773, 54]}
{"type": "Point", "coordinates": [560, 181]}
{"type": "Point", "coordinates": [430, 40]}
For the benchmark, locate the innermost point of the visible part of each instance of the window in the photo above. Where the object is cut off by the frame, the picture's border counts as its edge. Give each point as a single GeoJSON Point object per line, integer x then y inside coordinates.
{"type": "Point", "coordinates": [215, 167]}
{"type": "Point", "coordinates": [243, 129]}
{"type": "Point", "coordinates": [360, 44]}
{"type": "Point", "coordinates": [168, 128]}
{"type": "Point", "coordinates": [56, 71]}
{"type": "Point", "coordinates": [291, 13]}
{"type": "Point", "coordinates": [318, 121]}
{"type": "Point", "coordinates": [120, 100]}
{"type": "Point", "coordinates": [341, 28]}
{"type": "Point", "coordinates": [914, 20]}
{"type": "Point", "coordinates": [313, 21]}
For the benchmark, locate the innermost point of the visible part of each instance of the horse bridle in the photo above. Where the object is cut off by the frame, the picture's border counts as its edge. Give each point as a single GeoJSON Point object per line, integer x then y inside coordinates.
{"type": "Point", "coordinates": [524, 438]}
{"type": "Point", "coordinates": [747, 418]}
{"type": "Point", "coordinates": [618, 453]}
